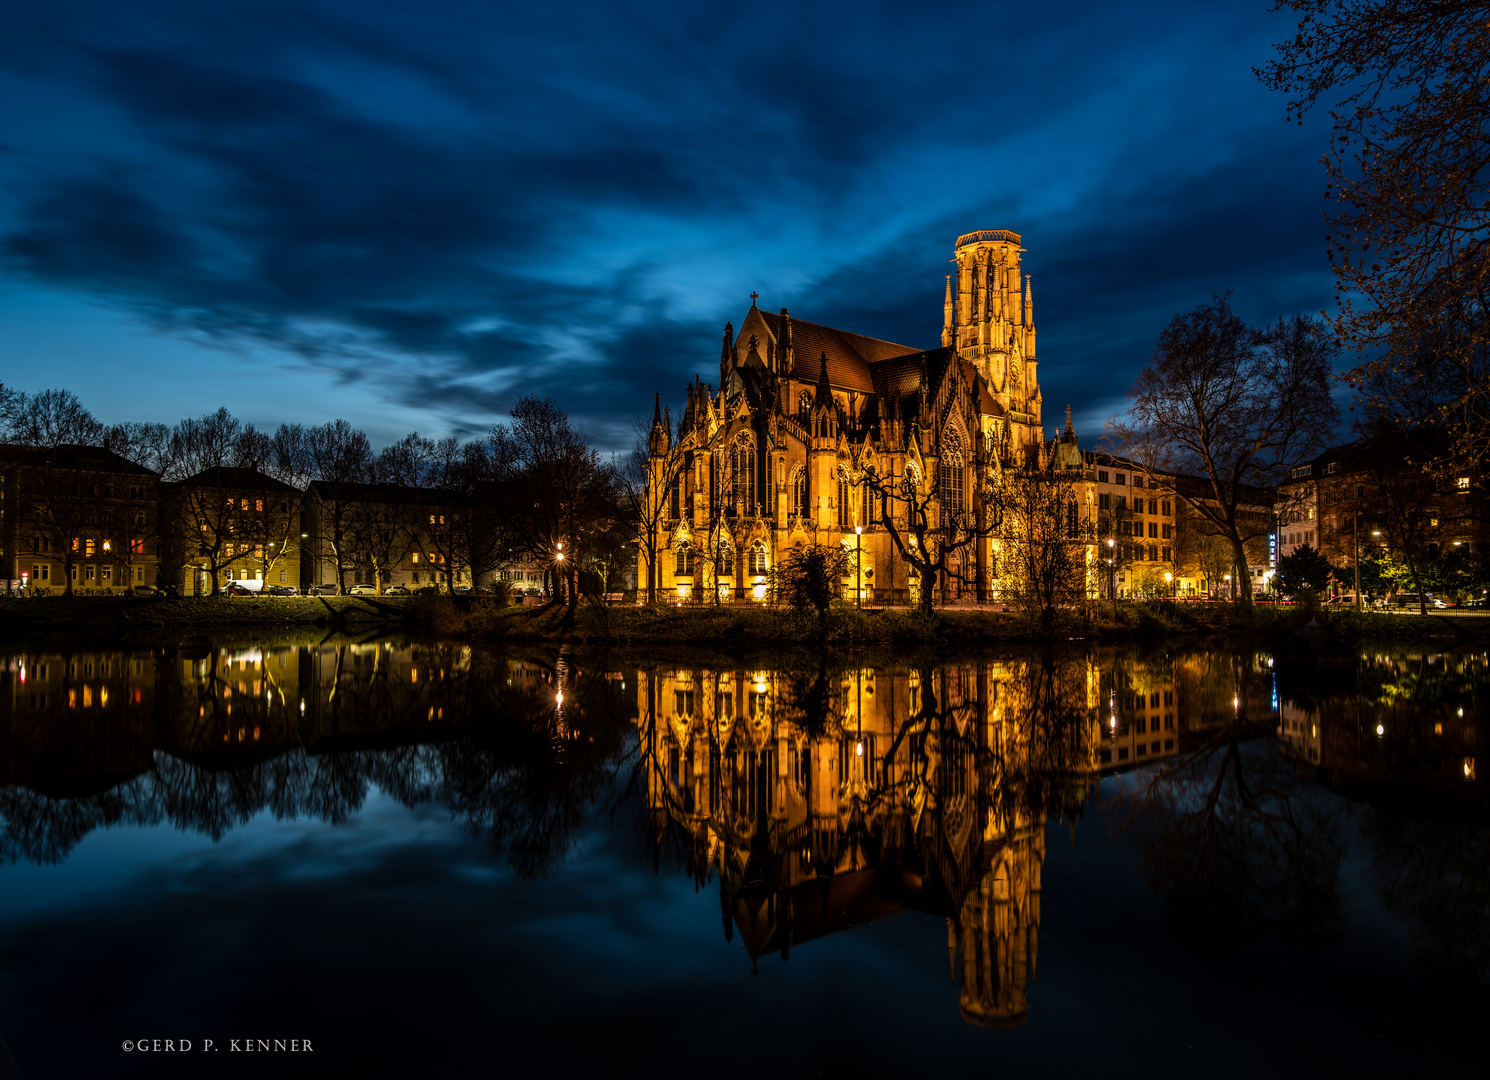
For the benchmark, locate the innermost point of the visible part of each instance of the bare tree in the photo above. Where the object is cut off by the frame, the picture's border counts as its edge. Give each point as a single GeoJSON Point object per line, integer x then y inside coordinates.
{"type": "Point", "coordinates": [214, 516]}
{"type": "Point", "coordinates": [453, 533]}
{"type": "Point", "coordinates": [1232, 405]}
{"type": "Point", "coordinates": [58, 499]}
{"type": "Point", "coordinates": [339, 461]}
{"type": "Point", "coordinates": [148, 446]}
{"type": "Point", "coordinates": [1044, 544]}
{"type": "Point", "coordinates": [53, 418]}
{"type": "Point", "coordinates": [1409, 172]}
{"type": "Point", "coordinates": [647, 486]}
{"type": "Point", "coordinates": [930, 519]}
{"type": "Point", "coordinates": [552, 488]}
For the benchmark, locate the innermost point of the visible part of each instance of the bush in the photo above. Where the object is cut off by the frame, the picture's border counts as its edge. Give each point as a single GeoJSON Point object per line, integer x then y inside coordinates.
{"type": "Point", "coordinates": [812, 577]}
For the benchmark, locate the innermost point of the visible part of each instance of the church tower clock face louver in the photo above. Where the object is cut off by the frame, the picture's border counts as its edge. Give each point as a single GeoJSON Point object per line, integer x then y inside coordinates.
{"type": "Point", "coordinates": [775, 456]}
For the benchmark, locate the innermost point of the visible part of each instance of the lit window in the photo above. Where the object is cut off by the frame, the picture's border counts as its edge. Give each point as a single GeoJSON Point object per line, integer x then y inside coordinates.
{"type": "Point", "coordinates": [1463, 483]}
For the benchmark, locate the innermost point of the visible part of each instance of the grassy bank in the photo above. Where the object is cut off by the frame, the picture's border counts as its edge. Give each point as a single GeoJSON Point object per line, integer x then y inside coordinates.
{"type": "Point", "coordinates": [123, 615]}
{"type": "Point", "coordinates": [722, 627]}
{"type": "Point", "coordinates": [845, 626]}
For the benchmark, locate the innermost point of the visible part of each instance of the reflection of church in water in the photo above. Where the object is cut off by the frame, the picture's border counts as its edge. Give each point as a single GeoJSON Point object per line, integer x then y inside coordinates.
{"type": "Point", "coordinates": [824, 802]}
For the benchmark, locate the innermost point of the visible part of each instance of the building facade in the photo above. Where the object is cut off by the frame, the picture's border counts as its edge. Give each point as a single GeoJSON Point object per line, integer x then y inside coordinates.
{"type": "Point", "coordinates": [230, 525]}
{"type": "Point", "coordinates": [784, 452]}
{"type": "Point", "coordinates": [79, 516]}
{"type": "Point", "coordinates": [1376, 495]}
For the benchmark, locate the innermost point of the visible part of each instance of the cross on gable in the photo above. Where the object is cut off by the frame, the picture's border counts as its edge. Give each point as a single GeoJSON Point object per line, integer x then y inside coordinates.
{"type": "Point", "coordinates": [753, 298]}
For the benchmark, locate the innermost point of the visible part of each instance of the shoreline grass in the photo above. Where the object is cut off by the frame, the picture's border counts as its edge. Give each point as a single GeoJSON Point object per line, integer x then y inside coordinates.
{"type": "Point", "coordinates": [725, 627]}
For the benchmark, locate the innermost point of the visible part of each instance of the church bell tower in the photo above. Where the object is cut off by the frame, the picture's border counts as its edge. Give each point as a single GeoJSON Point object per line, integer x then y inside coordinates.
{"type": "Point", "coordinates": [989, 318]}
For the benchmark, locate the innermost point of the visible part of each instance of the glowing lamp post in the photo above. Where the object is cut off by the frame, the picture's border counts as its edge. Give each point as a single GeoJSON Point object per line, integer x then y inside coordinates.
{"type": "Point", "coordinates": [1112, 573]}
{"type": "Point", "coordinates": [858, 568]}
{"type": "Point", "coordinates": [559, 565]}
{"type": "Point", "coordinates": [1168, 577]}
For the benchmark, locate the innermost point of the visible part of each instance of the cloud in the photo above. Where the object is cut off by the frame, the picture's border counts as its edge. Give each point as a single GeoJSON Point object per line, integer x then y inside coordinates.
{"type": "Point", "coordinates": [470, 205]}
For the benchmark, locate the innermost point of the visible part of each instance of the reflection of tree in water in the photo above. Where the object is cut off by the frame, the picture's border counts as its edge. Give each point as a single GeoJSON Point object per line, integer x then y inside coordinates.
{"type": "Point", "coordinates": [1401, 731]}
{"type": "Point", "coordinates": [44, 829]}
{"type": "Point", "coordinates": [482, 733]}
{"type": "Point", "coordinates": [1434, 875]}
{"type": "Point", "coordinates": [542, 751]}
{"type": "Point", "coordinates": [826, 798]}
{"type": "Point", "coordinates": [1237, 844]}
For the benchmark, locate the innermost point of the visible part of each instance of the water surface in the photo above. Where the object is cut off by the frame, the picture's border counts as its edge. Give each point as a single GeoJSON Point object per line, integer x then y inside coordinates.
{"type": "Point", "coordinates": [430, 859]}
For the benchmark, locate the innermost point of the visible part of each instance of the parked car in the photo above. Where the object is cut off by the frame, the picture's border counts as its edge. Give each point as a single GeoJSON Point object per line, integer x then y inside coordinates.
{"type": "Point", "coordinates": [239, 588]}
{"type": "Point", "coordinates": [325, 590]}
{"type": "Point", "coordinates": [396, 590]}
{"type": "Point", "coordinates": [1408, 599]}
{"type": "Point", "coordinates": [461, 590]}
{"type": "Point", "coordinates": [363, 590]}
{"type": "Point", "coordinates": [1445, 602]}
{"type": "Point", "coordinates": [281, 590]}
{"type": "Point", "coordinates": [1478, 602]}
{"type": "Point", "coordinates": [146, 590]}
{"type": "Point", "coordinates": [427, 590]}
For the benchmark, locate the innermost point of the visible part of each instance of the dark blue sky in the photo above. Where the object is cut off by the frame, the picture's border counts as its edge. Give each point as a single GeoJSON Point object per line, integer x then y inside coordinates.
{"type": "Point", "coordinates": [409, 214]}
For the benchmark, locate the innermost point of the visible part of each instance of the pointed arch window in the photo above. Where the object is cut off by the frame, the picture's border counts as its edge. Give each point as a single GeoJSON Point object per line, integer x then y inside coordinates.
{"type": "Point", "coordinates": [719, 482]}
{"type": "Point", "coordinates": [744, 467]}
{"type": "Point", "coordinates": [950, 479]}
{"type": "Point", "coordinates": [799, 493]}
{"type": "Point", "coordinates": [684, 565]}
{"type": "Point", "coordinates": [804, 408]}
{"type": "Point", "coordinates": [757, 558]}
{"type": "Point", "coordinates": [845, 504]}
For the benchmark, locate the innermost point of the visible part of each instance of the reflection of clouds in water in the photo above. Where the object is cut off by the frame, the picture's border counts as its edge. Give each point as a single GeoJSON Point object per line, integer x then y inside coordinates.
{"type": "Point", "coordinates": [266, 852]}
{"type": "Point", "coordinates": [470, 740]}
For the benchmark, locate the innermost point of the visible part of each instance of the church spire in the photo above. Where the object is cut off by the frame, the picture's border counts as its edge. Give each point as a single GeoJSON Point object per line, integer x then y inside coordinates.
{"type": "Point", "coordinates": [1029, 303]}
{"type": "Point", "coordinates": [660, 437]}
{"type": "Point", "coordinates": [727, 353]}
{"type": "Point", "coordinates": [784, 345]}
{"type": "Point", "coordinates": [824, 396]}
{"type": "Point", "coordinates": [947, 315]}
{"type": "Point", "coordinates": [1070, 433]}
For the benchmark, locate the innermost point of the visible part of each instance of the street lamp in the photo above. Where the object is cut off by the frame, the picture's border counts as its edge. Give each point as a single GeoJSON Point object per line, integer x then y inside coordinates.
{"type": "Point", "coordinates": [558, 558]}
{"type": "Point", "coordinates": [1168, 577]}
{"type": "Point", "coordinates": [858, 567]}
{"type": "Point", "coordinates": [316, 562]}
{"type": "Point", "coordinates": [1112, 573]}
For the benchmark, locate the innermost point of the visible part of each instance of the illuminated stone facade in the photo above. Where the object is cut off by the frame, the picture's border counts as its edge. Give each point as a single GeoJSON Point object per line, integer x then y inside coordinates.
{"type": "Point", "coordinates": [775, 456]}
{"type": "Point", "coordinates": [823, 802]}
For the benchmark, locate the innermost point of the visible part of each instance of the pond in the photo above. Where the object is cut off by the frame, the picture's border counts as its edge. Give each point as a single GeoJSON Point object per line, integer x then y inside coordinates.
{"type": "Point", "coordinates": [418, 858]}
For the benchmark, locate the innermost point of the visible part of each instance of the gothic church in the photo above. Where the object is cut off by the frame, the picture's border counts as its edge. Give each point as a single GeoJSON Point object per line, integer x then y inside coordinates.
{"type": "Point", "coordinates": [771, 458]}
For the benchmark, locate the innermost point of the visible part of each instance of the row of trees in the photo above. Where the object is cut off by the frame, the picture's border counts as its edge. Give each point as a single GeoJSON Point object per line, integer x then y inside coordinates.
{"type": "Point", "coordinates": [527, 487]}
{"type": "Point", "coordinates": [1447, 571]}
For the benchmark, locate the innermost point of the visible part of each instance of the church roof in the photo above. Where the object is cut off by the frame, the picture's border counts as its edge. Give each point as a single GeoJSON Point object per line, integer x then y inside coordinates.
{"type": "Point", "coordinates": [849, 355]}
